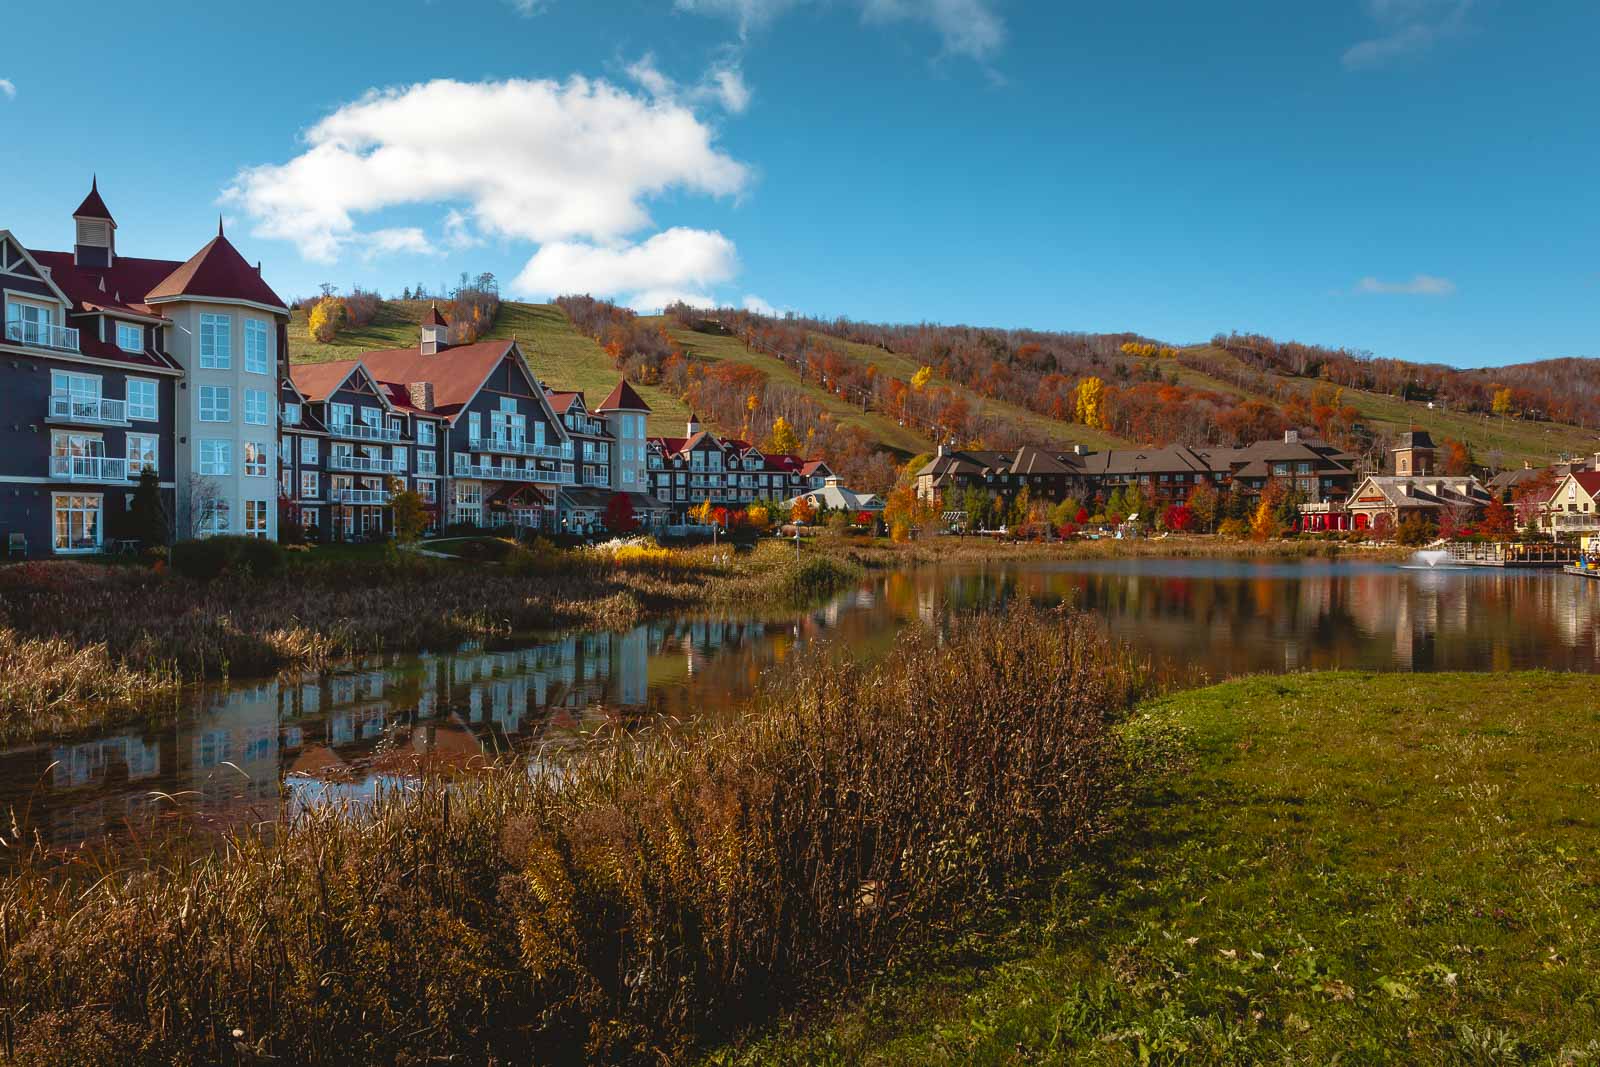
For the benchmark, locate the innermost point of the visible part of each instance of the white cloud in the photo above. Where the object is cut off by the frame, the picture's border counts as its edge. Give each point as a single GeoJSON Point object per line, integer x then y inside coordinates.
{"type": "Point", "coordinates": [8, 88]}
{"type": "Point", "coordinates": [722, 85]}
{"type": "Point", "coordinates": [407, 239]}
{"type": "Point", "coordinates": [967, 27]}
{"type": "Point", "coordinates": [754, 303]}
{"type": "Point", "coordinates": [1420, 285]}
{"type": "Point", "coordinates": [651, 301]}
{"type": "Point", "coordinates": [528, 8]}
{"type": "Point", "coordinates": [458, 233]}
{"type": "Point", "coordinates": [678, 261]}
{"type": "Point", "coordinates": [541, 161]}
{"type": "Point", "coordinates": [1407, 27]}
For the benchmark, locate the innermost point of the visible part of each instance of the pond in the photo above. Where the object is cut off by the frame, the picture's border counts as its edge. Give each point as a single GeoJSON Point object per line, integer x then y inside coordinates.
{"type": "Point", "coordinates": [240, 752]}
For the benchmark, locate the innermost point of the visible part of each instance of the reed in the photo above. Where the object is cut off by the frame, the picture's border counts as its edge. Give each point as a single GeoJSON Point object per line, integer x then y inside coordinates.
{"type": "Point", "coordinates": [647, 895]}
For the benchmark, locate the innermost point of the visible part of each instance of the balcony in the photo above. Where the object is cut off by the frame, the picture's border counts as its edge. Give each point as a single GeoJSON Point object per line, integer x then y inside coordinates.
{"type": "Point", "coordinates": [604, 481]}
{"type": "Point", "coordinates": [42, 335]}
{"type": "Point", "coordinates": [361, 431]}
{"type": "Point", "coordinates": [87, 410]}
{"type": "Point", "coordinates": [365, 464]}
{"type": "Point", "coordinates": [516, 446]}
{"type": "Point", "coordinates": [358, 496]}
{"type": "Point", "coordinates": [491, 473]}
{"type": "Point", "coordinates": [89, 468]}
{"type": "Point", "coordinates": [1574, 521]}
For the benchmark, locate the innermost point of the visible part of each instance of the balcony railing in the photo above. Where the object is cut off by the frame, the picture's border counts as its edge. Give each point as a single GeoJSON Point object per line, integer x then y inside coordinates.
{"type": "Point", "coordinates": [491, 473]}
{"type": "Point", "coordinates": [516, 446]}
{"type": "Point", "coordinates": [89, 410]}
{"type": "Point", "coordinates": [42, 335]}
{"type": "Point", "coordinates": [1570, 520]}
{"type": "Point", "coordinates": [597, 479]}
{"type": "Point", "coordinates": [89, 468]}
{"type": "Point", "coordinates": [369, 464]}
{"type": "Point", "coordinates": [358, 496]}
{"type": "Point", "coordinates": [360, 431]}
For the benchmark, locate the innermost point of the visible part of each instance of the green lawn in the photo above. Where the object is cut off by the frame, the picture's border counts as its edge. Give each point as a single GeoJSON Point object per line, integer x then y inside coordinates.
{"type": "Point", "coordinates": [559, 354]}
{"type": "Point", "coordinates": [1317, 868]}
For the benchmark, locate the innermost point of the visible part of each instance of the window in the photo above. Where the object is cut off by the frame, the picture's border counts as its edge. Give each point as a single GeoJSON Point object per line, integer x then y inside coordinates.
{"type": "Point", "coordinates": [143, 400]}
{"type": "Point", "coordinates": [427, 462]}
{"type": "Point", "coordinates": [77, 386]}
{"type": "Point", "coordinates": [424, 432]}
{"type": "Point", "coordinates": [255, 459]}
{"type": "Point", "coordinates": [427, 490]}
{"type": "Point", "coordinates": [291, 414]}
{"type": "Point", "coordinates": [308, 518]}
{"type": "Point", "coordinates": [130, 338]}
{"type": "Point", "coordinates": [77, 523]}
{"type": "Point", "coordinates": [256, 357]}
{"type": "Point", "coordinates": [257, 404]}
{"type": "Point", "coordinates": [372, 417]}
{"type": "Point", "coordinates": [143, 453]}
{"type": "Point", "coordinates": [400, 464]}
{"type": "Point", "coordinates": [255, 518]}
{"type": "Point", "coordinates": [308, 450]}
{"type": "Point", "coordinates": [308, 485]}
{"type": "Point", "coordinates": [216, 403]}
{"type": "Point", "coordinates": [340, 414]}
{"type": "Point", "coordinates": [216, 456]}
{"type": "Point", "coordinates": [219, 520]}
{"type": "Point", "coordinates": [474, 425]}
{"type": "Point", "coordinates": [216, 342]}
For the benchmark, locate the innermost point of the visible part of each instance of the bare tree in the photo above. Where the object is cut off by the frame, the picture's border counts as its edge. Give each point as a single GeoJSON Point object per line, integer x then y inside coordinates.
{"type": "Point", "coordinates": [206, 505]}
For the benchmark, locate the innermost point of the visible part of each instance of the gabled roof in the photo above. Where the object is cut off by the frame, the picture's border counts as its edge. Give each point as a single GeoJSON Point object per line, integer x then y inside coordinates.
{"type": "Point", "coordinates": [217, 271]}
{"type": "Point", "coordinates": [318, 381]}
{"type": "Point", "coordinates": [1589, 480]}
{"type": "Point", "coordinates": [623, 398]}
{"type": "Point", "coordinates": [561, 401]}
{"type": "Point", "coordinates": [457, 372]}
{"type": "Point", "coordinates": [93, 207]}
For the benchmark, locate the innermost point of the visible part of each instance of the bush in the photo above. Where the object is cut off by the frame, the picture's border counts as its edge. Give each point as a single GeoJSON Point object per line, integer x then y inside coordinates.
{"type": "Point", "coordinates": [237, 557]}
{"type": "Point", "coordinates": [1236, 529]}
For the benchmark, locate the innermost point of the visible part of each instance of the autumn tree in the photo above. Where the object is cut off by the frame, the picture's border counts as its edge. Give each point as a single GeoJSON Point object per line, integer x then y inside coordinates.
{"type": "Point", "coordinates": [1457, 458]}
{"type": "Point", "coordinates": [619, 518]}
{"type": "Point", "coordinates": [1264, 524]}
{"type": "Point", "coordinates": [1501, 404]}
{"type": "Point", "coordinates": [920, 379]}
{"type": "Point", "coordinates": [1203, 502]}
{"type": "Point", "coordinates": [802, 511]}
{"type": "Point", "coordinates": [410, 513]}
{"type": "Point", "coordinates": [781, 439]}
{"type": "Point", "coordinates": [1088, 402]}
{"type": "Point", "coordinates": [1498, 522]}
{"type": "Point", "coordinates": [326, 318]}
{"type": "Point", "coordinates": [1178, 518]}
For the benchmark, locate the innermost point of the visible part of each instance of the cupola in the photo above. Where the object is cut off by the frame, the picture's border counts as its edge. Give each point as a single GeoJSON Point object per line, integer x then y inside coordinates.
{"type": "Point", "coordinates": [435, 332]}
{"type": "Point", "coordinates": [96, 243]}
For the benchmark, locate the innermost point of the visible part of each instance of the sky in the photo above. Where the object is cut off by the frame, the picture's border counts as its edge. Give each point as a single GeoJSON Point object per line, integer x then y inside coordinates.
{"type": "Point", "coordinates": [1415, 178]}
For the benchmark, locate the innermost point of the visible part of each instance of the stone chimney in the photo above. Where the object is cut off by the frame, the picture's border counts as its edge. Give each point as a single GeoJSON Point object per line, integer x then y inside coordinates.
{"type": "Point", "coordinates": [421, 394]}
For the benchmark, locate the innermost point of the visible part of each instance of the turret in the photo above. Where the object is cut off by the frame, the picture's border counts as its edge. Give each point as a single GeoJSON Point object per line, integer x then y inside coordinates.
{"type": "Point", "coordinates": [435, 332]}
{"type": "Point", "coordinates": [96, 244]}
{"type": "Point", "coordinates": [694, 425]}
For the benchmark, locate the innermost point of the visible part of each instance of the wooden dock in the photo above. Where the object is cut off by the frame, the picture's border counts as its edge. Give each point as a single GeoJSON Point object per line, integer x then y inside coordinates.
{"type": "Point", "coordinates": [1582, 572]}
{"type": "Point", "coordinates": [1513, 554]}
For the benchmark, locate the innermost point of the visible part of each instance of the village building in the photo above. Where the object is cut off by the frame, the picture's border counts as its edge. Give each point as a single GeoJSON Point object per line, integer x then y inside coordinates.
{"type": "Point", "coordinates": [116, 364]}
{"type": "Point", "coordinates": [1574, 506]}
{"type": "Point", "coordinates": [1386, 500]}
{"type": "Point", "coordinates": [834, 496]}
{"type": "Point", "coordinates": [686, 472]}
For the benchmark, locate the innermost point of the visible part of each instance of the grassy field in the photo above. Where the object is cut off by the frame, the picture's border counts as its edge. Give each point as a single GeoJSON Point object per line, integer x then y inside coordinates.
{"type": "Point", "coordinates": [559, 354]}
{"type": "Point", "coordinates": [717, 347]}
{"type": "Point", "coordinates": [1318, 868]}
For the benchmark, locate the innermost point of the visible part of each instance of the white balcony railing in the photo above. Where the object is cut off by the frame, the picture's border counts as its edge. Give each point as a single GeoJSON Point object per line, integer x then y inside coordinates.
{"type": "Point", "coordinates": [1571, 520]}
{"type": "Point", "coordinates": [369, 464]}
{"type": "Point", "coordinates": [42, 335]}
{"type": "Point", "coordinates": [360, 431]}
{"type": "Point", "coordinates": [89, 468]}
{"type": "Point", "coordinates": [100, 411]}
{"type": "Point", "coordinates": [491, 473]}
{"type": "Point", "coordinates": [597, 479]}
{"type": "Point", "coordinates": [358, 496]}
{"type": "Point", "coordinates": [516, 446]}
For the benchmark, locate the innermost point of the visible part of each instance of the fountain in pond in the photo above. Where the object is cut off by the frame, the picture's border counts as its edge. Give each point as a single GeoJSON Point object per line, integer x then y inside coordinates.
{"type": "Point", "coordinates": [1429, 557]}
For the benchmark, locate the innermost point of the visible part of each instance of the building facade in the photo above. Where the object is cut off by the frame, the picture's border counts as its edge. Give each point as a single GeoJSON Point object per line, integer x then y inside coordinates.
{"type": "Point", "coordinates": [686, 472]}
{"type": "Point", "coordinates": [115, 364]}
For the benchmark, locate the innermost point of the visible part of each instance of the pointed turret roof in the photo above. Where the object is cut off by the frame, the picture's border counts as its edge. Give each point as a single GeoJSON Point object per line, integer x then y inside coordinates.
{"type": "Point", "coordinates": [220, 272]}
{"type": "Point", "coordinates": [623, 398]}
{"type": "Point", "coordinates": [433, 318]}
{"type": "Point", "coordinates": [93, 207]}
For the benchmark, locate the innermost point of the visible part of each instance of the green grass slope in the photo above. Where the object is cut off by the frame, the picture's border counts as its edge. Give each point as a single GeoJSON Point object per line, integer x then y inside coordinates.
{"type": "Point", "coordinates": [714, 348]}
{"type": "Point", "coordinates": [1322, 868]}
{"type": "Point", "coordinates": [559, 354]}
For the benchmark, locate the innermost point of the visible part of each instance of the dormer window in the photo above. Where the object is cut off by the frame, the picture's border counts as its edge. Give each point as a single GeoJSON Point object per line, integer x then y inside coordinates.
{"type": "Point", "coordinates": [130, 338]}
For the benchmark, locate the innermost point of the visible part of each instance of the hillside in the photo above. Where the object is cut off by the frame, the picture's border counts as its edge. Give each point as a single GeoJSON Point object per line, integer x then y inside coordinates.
{"type": "Point", "coordinates": [560, 355]}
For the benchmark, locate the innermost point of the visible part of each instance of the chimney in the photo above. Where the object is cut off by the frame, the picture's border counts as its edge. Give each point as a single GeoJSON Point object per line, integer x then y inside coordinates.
{"type": "Point", "coordinates": [1079, 450]}
{"type": "Point", "coordinates": [421, 394]}
{"type": "Point", "coordinates": [1291, 437]}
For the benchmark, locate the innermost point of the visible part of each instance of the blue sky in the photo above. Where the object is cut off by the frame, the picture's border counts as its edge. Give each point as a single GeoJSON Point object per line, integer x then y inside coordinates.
{"type": "Point", "coordinates": [1417, 178]}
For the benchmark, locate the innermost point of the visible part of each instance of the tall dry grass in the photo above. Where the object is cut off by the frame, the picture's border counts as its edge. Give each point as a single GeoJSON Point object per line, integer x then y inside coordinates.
{"type": "Point", "coordinates": [648, 895]}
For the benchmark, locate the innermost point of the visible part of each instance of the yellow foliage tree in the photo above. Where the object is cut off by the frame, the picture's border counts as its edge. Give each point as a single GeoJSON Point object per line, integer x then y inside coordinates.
{"type": "Point", "coordinates": [1264, 523]}
{"type": "Point", "coordinates": [782, 440]}
{"type": "Point", "coordinates": [923, 376]}
{"type": "Point", "coordinates": [1502, 401]}
{"type": "Point", "coordinates": [1088, 402]}
{"type": "Point", "coordinates": [703, 513]}
{"type": "Point", "coordinates": [326, 318]}
{"type": "Point", "coordinates": [758, 517]}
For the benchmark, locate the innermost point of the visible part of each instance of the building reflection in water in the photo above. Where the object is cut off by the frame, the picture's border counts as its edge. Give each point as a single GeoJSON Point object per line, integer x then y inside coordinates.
{"type": "Point", "coordinates": [244, 752]}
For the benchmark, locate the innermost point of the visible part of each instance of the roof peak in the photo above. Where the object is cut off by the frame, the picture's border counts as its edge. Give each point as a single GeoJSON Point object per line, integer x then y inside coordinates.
{"type": "Point", "coordinates": [93, 207]}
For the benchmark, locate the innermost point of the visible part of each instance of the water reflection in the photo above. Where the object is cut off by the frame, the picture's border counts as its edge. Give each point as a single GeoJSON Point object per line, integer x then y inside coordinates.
{"type": "Point", "coordinates": [238, 753]}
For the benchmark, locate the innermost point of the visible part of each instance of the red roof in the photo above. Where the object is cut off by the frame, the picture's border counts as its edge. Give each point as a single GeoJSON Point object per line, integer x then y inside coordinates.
{"type": "Point", "coordinates": [112, 289]}
{"type": "Point", "coordinates": [220, 272]}
{"type": "Point", "coordinates": [623, 398]}
{"type": "Point", "coordinates": [1590, 480]}
{"type": "Point", "coordinates": [317, 381]}
{"type": "Point", "coordinates": [456, 372]}
{"type": "Point", "coordinates": [811, 466]}
{"type": "Point", "coordinates": [433, 318]}
{"type": "Point", "coordinates": [93, 207]}
{"type": "Point", "coordinates": [561, 400]}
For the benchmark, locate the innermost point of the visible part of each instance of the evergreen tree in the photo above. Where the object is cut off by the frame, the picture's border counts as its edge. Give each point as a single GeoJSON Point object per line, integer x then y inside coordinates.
{"type": "Point", "coordinates": [147, 518]}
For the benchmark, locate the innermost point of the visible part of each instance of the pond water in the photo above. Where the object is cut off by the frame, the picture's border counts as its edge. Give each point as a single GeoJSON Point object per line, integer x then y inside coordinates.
{"type": "Point", "coordinates": [242, 752]}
